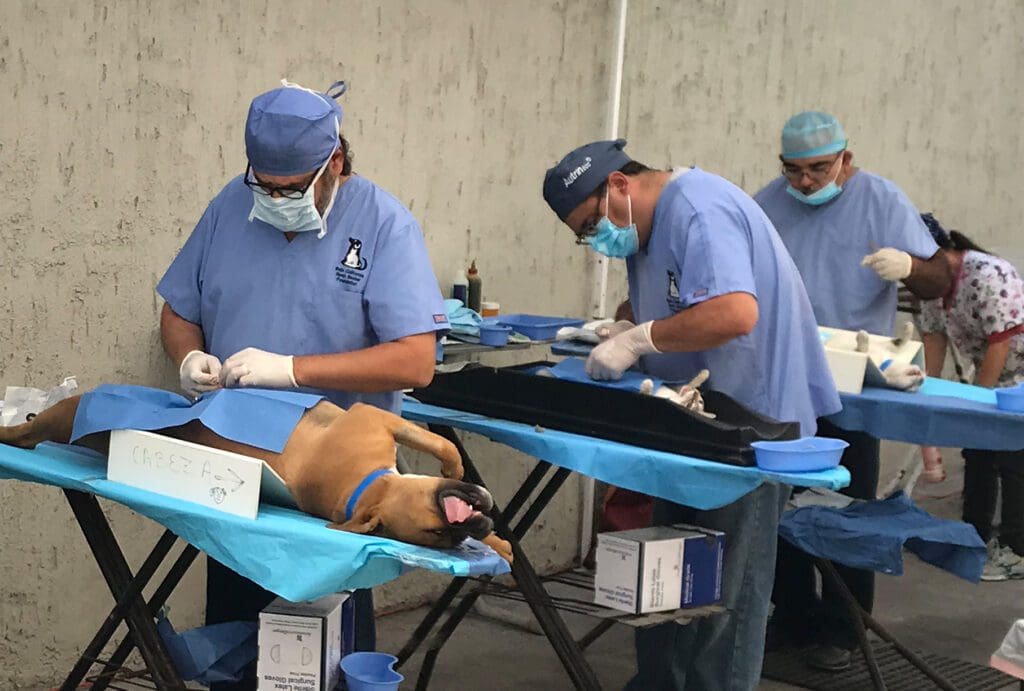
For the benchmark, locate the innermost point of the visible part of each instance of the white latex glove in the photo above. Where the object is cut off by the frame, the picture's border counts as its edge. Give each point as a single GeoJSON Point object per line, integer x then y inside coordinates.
{"type": "Point", "coordinates": [198, 373]}
{"type": "Point", "coordinates": [613, 329]}
{"type": "Point", "coordinates": [255, 367]}
{"type": "Point", "coordinates": [889, 263]}
{"type": "Point", "coordinates": [617, 354]}
{"type": "Point", "coordinates": [903, 376]}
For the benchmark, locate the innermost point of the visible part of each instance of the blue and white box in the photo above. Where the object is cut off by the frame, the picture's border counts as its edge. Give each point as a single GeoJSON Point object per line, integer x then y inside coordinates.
{"type": "Point", "coordinates": [703, 553]}
{"type": "Point", "coordinates": [301, 643]}
{"type": "Point", "coordinates": [658, 569]}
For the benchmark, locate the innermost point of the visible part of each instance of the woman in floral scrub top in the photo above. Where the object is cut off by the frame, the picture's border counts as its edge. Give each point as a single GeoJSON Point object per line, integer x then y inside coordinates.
{"type": "Point", "coordinates": [983, 317]}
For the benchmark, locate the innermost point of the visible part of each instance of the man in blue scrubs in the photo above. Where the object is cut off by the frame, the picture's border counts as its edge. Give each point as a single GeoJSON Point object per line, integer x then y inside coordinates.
{"type": "Point", "coordinates": [300, 275]}
{"type": "Point", "coordinates": [853, 236]}
{"type": "Point", "coordinates": [710, 286]}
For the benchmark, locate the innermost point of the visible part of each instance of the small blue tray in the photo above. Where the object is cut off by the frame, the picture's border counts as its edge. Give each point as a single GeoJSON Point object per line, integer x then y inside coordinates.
{"type": "Point", "coordinates": [537, 327]}
{"type": "Point", "coordinates": [799, 455]}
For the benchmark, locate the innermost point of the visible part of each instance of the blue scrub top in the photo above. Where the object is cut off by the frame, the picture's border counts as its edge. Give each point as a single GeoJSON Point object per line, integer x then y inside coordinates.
{"type": "Point", "coordinates": [368, 281]}
{"type": "Point", "coordinates": [828, 242]}
{"type": "Point", "coordinates": [709, 239]}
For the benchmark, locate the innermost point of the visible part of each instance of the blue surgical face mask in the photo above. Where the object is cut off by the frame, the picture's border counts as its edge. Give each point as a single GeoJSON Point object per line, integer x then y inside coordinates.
{"type": "Point", "coordinates": [818, 197]}
{"type": "Point", "coordinates": [612, 240]}
{"type": "Point", "coordinates": [294, 215]}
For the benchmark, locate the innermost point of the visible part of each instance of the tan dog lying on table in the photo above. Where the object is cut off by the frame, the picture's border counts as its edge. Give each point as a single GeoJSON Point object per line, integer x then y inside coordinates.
{"type": "Point", "coordinates": [329, 454]}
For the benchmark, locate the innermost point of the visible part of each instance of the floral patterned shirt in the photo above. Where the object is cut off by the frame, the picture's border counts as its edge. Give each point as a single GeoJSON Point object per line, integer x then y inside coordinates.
{"type": "Point", "coordinates": [984, 305]}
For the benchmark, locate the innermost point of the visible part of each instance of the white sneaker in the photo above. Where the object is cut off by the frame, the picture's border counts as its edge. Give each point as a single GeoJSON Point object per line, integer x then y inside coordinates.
{"type": "Point", "coordinates": [1002, 563]}
{"type": "Point", "coordinates": [1013, 563]}
{"type": "Point", "coordinates": [994, 571]}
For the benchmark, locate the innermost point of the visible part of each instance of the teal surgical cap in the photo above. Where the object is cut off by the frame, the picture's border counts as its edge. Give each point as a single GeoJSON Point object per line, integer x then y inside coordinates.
{"type": "Point", "coordinates": [812, 133]}
{"type": "Point", "coordinates": [292, 130]}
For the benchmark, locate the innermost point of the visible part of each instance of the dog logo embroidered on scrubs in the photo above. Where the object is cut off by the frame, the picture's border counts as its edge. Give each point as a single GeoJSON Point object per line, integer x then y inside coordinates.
{"type": "Point", "coordinates": [352, 258]}
{"type": "Point", "coordinates": [350, 270]}
{"type": "Point", "coordinates": [674, 303]}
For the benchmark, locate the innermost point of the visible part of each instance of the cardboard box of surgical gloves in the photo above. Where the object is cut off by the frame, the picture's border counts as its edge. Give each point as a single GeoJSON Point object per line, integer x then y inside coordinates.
{"type": "Point", "coordinates": [301, 643]}
{"type": "Point", "coordinates": [659, 569]}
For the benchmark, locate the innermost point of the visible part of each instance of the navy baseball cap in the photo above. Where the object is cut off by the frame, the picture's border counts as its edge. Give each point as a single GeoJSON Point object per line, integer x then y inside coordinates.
{"type": "Point", "coordinates": [292, 130]}
{"type": "Point", "coordinates": [582, 171]}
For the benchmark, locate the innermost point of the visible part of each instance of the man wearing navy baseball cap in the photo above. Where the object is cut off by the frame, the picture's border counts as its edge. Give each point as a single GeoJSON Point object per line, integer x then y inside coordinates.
{"type": "Point", "coordinates": [711, 286]}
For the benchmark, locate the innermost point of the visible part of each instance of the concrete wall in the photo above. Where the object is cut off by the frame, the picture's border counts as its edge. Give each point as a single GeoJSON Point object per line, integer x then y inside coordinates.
{"type": "Point", "coordinates": [930, 92]}
{"type": "Point", "coordinates": [121, 120]}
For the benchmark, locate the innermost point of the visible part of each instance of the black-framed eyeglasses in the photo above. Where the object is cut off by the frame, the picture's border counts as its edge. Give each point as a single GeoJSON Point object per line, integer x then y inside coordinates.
{"type": "Point", "coordinates": [817, 172]}
{"type": "Point", "coordinates": [589, 227]}
{"type": "Point", "coordinates": [286, 191]}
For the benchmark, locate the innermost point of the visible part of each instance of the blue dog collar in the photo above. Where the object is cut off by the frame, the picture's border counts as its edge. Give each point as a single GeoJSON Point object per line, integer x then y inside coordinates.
{"type": "Point", "coordinates": [367, 481]}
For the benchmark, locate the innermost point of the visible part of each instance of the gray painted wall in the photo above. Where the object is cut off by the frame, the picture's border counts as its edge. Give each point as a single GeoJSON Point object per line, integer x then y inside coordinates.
{"type": "Point", "coordinates": [121, 120]}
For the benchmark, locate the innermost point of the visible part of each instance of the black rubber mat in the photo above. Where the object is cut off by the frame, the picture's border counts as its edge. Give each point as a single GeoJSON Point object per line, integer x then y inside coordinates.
{"type": "Point", "coordinates": [516, 393]}
{"type": "Point", "coordinates": [898, 674]}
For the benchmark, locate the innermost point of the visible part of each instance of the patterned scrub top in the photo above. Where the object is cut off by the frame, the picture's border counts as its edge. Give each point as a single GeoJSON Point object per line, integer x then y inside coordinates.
{"type": "Point", "coordinates": [984, 305]}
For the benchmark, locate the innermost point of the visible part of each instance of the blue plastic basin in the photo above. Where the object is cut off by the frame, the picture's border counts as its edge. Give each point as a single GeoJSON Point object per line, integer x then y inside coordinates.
{"type": "Point", "coordinates": [536, 327]}
{"type": "Point", "coordinates": [370, 672]}
{"type": "Point", "coordinates": [494, 334]}
{"type": "Point", "coordinates": [799, 455]}
{"type": "Point", "coordinates": [1011, 398]}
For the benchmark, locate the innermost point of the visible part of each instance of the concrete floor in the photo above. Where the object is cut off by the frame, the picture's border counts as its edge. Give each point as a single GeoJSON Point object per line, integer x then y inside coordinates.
{"type": "Point", "coordinates": [925, 608]}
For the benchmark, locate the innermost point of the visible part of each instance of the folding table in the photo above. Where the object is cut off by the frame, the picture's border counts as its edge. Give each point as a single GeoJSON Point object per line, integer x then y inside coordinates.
{"type": "Point", "coordinates": [694, 482]}
{"type": "Point", "coordinates": [288, 552]}
{"type": "Point", "coordinates": [942, 413]}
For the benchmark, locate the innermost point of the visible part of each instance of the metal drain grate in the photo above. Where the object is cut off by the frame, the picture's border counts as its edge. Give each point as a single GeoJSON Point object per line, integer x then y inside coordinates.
{"type": "Point", "coordinates": [898, 674]}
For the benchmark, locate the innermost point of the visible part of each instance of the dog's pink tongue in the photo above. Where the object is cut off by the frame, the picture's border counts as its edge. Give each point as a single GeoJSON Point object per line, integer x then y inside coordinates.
{"type": "Point", "coordinates": [456, 510]}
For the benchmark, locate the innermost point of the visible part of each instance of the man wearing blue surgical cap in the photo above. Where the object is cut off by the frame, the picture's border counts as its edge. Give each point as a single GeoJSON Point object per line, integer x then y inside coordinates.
{"type": "Point", "coordinates": [854, 236]}
{"type": "Point", "coordinates": [710, 287]}
{"type": "Point", "coordinates": [300, 274]}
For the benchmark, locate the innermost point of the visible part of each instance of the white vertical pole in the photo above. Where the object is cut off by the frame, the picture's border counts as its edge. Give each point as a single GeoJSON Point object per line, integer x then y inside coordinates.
{"type": "Point", "coordinates": [599, 285]}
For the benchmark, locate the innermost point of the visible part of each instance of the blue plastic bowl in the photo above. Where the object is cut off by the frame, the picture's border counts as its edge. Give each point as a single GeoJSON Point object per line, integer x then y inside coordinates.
{"type": "Point", "coordinates": [370, 672]}
{"type": "Point", "coordinates": [494, 334]}
{"type": "Point", "coordinates": [537, 327]}
{"type": "Point", "coordinates": [1011, 398]}
{"type": "Point", "coordinates": [799, 455]}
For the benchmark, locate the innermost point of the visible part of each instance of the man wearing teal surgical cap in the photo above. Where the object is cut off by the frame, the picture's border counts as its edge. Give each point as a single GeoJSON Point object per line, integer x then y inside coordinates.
{"type": "Point", "coordinates": [853, 236]}
{"type": "Point", "coordinates": [289, 281]}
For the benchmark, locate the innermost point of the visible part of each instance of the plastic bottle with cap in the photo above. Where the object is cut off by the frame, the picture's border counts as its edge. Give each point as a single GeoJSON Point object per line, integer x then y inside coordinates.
{"type": "Point", "coordinates": [475, 287]}
{"type": "Point", "coordinates": [460, 287]}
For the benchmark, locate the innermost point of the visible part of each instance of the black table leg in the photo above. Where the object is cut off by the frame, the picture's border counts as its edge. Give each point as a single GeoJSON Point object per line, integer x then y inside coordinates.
{"type": "Point", "coordinates": [116, 616]}
{"type": "Point", "coordinates": [862, 618]}
{"type": "Point", "coordinates": [160, 595]}
{"type": "Point", "coordinates": [117, 574]}
{"type": "Point", "coordinates": [568, 651]}
{"type": "Point", "coordinates": [828, 571]}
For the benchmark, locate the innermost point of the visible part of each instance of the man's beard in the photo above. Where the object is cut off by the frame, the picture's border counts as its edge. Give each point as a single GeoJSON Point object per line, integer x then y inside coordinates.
{"type": "Point", "coordinates": [323, 194]}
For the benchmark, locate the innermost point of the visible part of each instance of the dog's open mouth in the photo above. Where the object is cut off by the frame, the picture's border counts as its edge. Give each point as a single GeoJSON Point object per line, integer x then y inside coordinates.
{"type": "Point", "coordinates": [458, 506]}
{"type": "Point", "coordinates": [466, 508]}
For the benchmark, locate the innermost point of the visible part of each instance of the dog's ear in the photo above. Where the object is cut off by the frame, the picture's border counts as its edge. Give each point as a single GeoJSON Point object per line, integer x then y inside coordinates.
{"type": "Point", "coordinates": [364, 523]}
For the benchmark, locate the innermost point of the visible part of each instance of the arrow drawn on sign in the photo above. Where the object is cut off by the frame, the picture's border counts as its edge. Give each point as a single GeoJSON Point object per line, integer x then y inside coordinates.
{"type": "Point", "coordinates": [237, 480]}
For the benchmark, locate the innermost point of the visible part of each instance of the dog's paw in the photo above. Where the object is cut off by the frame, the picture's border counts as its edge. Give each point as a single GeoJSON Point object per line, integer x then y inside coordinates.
{"type": "Point", "coordinates": [455, 473]}
{"type": "Point", "coordinates": [502, 547]}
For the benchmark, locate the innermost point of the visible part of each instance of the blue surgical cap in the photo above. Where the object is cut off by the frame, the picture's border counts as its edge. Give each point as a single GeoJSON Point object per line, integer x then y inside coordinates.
{"type": "Point", "coordinates": [812, 133]}
{"type": "Point", "coordinates": [582, 171]}
{"type": "Point", "coordinates": [292, 130]}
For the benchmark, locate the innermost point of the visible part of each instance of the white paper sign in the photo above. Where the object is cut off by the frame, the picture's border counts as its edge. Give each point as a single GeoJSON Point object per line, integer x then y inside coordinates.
{"type": "Point", "coordinates": [220, 480]}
